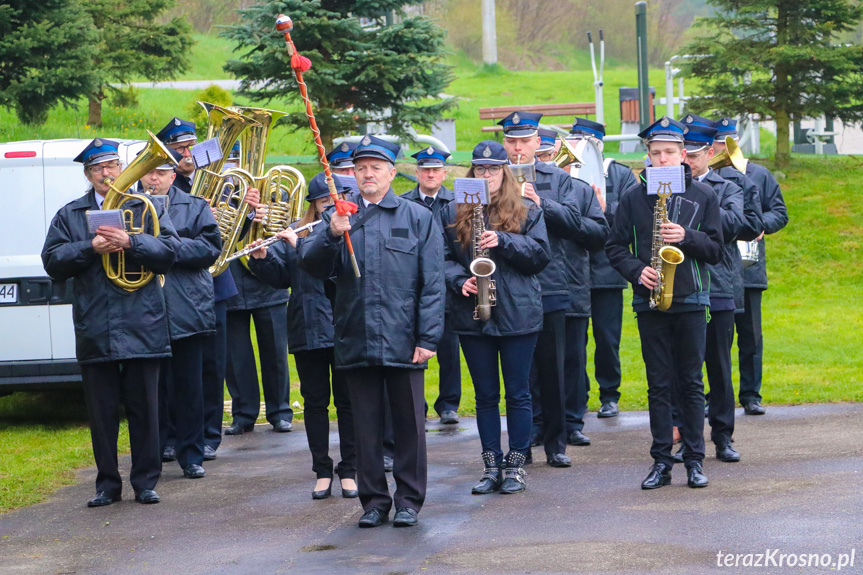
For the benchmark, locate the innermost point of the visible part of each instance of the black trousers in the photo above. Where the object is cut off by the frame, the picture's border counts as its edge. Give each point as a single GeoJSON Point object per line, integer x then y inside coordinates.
{"type": "Point", "coordinates": [405, 390]}
{"type": "Point", "coordinates": [271, 327]}
{"type": "Point", "coordinates": [547, 382]}
{"type": "Point", "coordinates": [606, 312]}
{"type": "Point", "coordinates": [314, 368]}
{"type": "Point", "coordinates": [215, 362]}
{"type": "Point", "coordinates": [750, 345]}
{"type": "Point", "coordinates": [181, 395]}
{"type": "Point", "coordinates": [575, 368]}
{"type": "Point", "coordinates": [673, 348]}
{"type": "Point", "coordinates": [717, 361]}
{"type": "Point", "coordinates": [136, 381]}
{"type": "Point", "coordinates": [449, 384]}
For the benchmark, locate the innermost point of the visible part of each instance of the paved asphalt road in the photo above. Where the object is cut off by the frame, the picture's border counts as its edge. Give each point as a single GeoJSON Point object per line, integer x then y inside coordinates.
{"type": "Point", "coordinates": [799, 489]}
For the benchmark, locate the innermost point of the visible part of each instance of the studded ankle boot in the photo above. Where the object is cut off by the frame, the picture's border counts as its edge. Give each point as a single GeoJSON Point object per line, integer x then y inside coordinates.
{"type": "Point", "coordinates": [513, 474]}
{"type": "Point", "coordinates": [490, 480]}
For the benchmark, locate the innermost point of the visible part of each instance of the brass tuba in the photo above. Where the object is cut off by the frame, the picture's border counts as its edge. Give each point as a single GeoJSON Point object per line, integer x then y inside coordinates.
{"type": "Point", "coordinates": [482, 267]}
{"type": "Point", "coordinates": [663, 257]}
{"type": "Point", "coordinates": [154, 154]}
{"type": "Point", "coordinates": [225, 191]}
{"type": "Point", "coordinates": [282, 187]}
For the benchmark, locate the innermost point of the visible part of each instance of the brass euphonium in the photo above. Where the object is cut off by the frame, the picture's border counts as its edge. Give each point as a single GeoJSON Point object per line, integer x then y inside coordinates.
{"type": "Point", "coordinates": [663, 257]}
{"type": "Point", "coordinates": [731, 156]}
{"type": "Point", "coordinates": [282, 187]}
{"type": "Point", "coordinates": [482, 267]}
{"type": "Point", "coordinates": [225, 190]}
{"type": "Point", "coordinates": [154, 154]}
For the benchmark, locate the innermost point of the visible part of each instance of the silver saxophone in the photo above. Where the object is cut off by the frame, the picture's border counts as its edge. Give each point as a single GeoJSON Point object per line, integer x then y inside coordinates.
{"type": "Point", "coordinates": [482, 267]}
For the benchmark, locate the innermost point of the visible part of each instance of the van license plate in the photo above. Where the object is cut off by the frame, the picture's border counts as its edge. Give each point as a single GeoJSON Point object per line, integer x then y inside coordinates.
{"type": "Point", "coordinates": [8, 293]}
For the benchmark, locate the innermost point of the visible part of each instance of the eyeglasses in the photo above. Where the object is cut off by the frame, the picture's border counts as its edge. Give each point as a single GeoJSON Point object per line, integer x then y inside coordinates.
{"type": "Point", "coordinates": [181, 149]}
{"type": "Point", "coordinates": [492, 170]}
{"type": "Point", "coordinates": [102, 168]}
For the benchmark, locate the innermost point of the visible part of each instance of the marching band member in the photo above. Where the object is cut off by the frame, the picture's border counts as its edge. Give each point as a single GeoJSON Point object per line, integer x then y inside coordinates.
{"type": "Point", "coordinates": [387, 325]}
{"type": "Point", "coordinates": [672, 341]}
{"type": "Point", "coordinates": [548, 145]}
{"type": "Point", "coordinates": [606, 285]}
{"type": "Point", "coordinates": [774, 217]}
{"type": "Point", "coordinates": [180, 135]}
{"type": "Point", "coordinates": [516, 241]}
{"type": "Point", "coordinates": [120, 336]}
{"type": "Point", "coordinates": [310, 340]}
{"type": "Point", "coordinates": [191, 318]}
{"type": "Point", "coordinates": [430, 191]}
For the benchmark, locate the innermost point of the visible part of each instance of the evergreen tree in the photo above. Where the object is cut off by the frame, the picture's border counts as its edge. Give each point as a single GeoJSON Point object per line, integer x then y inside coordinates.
{"type": "Point", "coordinates": [390, 73]}
{"type": "Point", "coordinates": [42, 47]}
{"type": "Point", "coordinates": [131, 43]}
{"type": "Point", "coordinates": [779, 58]}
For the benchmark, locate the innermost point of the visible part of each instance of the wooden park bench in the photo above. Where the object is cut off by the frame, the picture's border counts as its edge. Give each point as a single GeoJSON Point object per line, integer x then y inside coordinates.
{"type": "Point", "coordinates": [569, 111]}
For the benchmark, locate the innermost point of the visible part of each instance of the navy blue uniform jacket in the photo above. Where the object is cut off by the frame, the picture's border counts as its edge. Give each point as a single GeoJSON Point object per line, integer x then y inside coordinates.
{"type": "Point", "coordinates": [111, 324]}
{"type": "Point", "coordinates": [726, 277]}
{"type": "Point", "coordinates": [602, 275]}
{"type": "Point", "coordinates": [590, 236]}
{"type": "Point", "coordinates": [310, 313]}
{"type": "Point", "coordinates": [519, 257]}
{"type": "Point", "coordinates": [398, 303]}
{"type": "Point", "coordinates": [189, 285]}
{"type": "Point", "coordinates": [631, 242]}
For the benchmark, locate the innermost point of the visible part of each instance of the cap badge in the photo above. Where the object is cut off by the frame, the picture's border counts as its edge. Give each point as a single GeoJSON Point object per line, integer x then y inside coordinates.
{"type": "Point", "coordinates": [685, 130]}
{"type": "Point", "coordinates": [575, 122]}
{"type": "Point", "coordinates": [689, 119]}
{"type": "Point", "coordinates": [515, 118]}
{"type": "Point", "coordinates": [430, 151]}
{"type": "Point", "coordinates": [486, 153]}
{"type": "Point", "coordinates": [725, 122]}
{"type": "Point", "coordinates": [345, 147]}
{"type": "Point", "coordinates": [97, 143]}
{"type": "Point", "coordinates": [366, 141]}
{"type": "Point", "coordinates": [177, 122]}
{"type": "Point", "coordinates": [664, 122]}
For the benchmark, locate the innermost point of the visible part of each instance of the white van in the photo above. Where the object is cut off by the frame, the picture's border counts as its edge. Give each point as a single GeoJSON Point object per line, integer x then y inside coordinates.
{"type": "Point", "coordinates": [37, 338]}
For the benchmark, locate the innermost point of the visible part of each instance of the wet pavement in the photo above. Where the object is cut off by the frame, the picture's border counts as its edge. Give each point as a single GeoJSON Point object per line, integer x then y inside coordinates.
{"type": "Point", "coordinates": [798, 490]}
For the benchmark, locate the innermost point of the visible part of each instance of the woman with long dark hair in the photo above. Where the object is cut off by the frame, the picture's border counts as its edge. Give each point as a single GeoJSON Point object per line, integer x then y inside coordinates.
{"type": "Point", "coordinates": [310, 340]}
{"type": "Point", "coordinates": [516, 240]}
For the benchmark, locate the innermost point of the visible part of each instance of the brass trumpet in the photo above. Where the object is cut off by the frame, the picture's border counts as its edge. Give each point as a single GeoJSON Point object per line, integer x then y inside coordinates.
{"type": "Point", "coordinates": [154, 154]}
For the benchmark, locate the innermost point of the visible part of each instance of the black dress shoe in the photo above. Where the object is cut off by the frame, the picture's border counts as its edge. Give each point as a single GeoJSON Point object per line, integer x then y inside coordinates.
{"type": "Point", "coordinates": [169, 454]}
{"type": "Point", "coordinates": [405, 517]}
{"type": "Point", "coordinates": [209, 453]}
{"type": "Point", "coordinates": [349, 493]}
{"type": "Point", "coordinates": [578, 438]}
{"type": "Point", "coordinates": [491, 475]}
{"type": "Point", "coordinates": [323, 493]}
{"type": "Point", "coordinates": [282, 426]}
{"type": "Point", "coordinates": [102, 499]}
{"type": "Point", "coordinates": [147, 497]}
{"type": "Point", "coordinates": [695, 476]}
{"type": "Point", "coordinates": [513, 474]}
{"type": "Point", "coordinates": [608, 409]}
{"type": "Point", "coordinates": [559, 460]}
{"type": "Point", "coordinates": [194, 471]}
{"type": "Point", "coordinates": [449, 417]}
{"type": "Point", "coordinates": [725, 452]}
{"type": "Point", "coordinates": [239, 428]}
{"type": "Point", "coordinates": [660, 474]}
{"type": "Point", "coordinates": [373, 518]}
{"type": "Point", "coordinates": [753, 408]}
{"type": "Point", "coordinates": [678, 457]}
{"type": "Point", "coordinates": [388, 463]}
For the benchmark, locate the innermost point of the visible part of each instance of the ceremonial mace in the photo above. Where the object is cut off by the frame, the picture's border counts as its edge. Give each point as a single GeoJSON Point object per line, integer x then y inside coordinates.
{"type": "Point", "coordinates": [300, 64]}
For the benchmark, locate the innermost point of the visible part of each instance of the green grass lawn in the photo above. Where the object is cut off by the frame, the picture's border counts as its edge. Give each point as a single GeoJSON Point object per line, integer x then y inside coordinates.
{"type": "Point", "coordinates": [812, 318]}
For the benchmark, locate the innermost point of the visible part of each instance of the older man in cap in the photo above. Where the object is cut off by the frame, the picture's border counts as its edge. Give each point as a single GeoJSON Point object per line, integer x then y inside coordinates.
{"type": "Point", "coordinates": [672, 341]}
{"type": "Point", "coordinates": [118, 347]}
{"type": "Point", "coordinates": [548, 145]}
{"type": "Point", "coordinates": [180, 136]}
{"type": "Point", "coordinates": [575, 225]}
{"type": "Point", "coordinates": [191, 317]}
{"type": "Point", "coordinates": [606, 285]}
{"type": "Point", "coordinates": [774, 217]}
{"type": "Point", "coordinates": [430, 191]}
{"type": "Point", "coordinates": [387, 324]}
